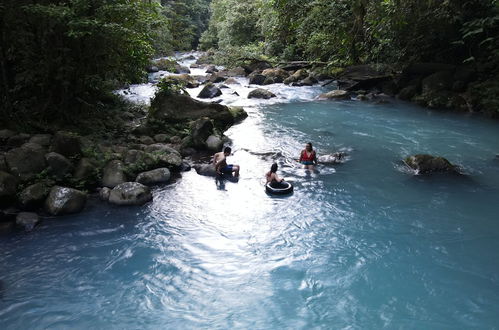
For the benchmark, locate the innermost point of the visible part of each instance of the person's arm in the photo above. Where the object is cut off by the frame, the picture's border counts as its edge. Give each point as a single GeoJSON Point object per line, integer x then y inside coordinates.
{"type": "Point", "coordinates": [215, 158]}
{"type": "Point", "coordinates": [277, 178]}
{"type": "Point", "coordinates": [301, 156]}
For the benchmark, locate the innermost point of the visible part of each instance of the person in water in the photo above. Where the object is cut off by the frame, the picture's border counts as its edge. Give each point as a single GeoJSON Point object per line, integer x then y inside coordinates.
{"type": "Point", "coordinates": [220, 163]}
{"type": "Point", "coordinates": [272, 176]}
{"type": "Point", "coordinates": [308, 157]}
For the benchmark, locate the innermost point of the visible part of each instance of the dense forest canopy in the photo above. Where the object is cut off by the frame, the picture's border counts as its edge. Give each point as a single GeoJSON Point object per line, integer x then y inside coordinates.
{"type": "Point", "coordinates": [62, 57]}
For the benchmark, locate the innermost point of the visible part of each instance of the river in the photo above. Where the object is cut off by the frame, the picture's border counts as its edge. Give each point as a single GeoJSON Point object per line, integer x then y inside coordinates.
{"type": "Point", "coordinates": [361, 245]}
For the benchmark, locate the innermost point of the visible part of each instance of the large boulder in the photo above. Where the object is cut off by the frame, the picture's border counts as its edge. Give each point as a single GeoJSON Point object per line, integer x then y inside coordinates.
{"type": "Point", "coordinates": [299, 75]}
{"type": "Point", "coordinates": [425, 164]}
{"type": "Point", "coordinates": [209, 91]}
{"type": "Point", "coordinates": [205, 170]}
{"type": "Point", "coordinates": [214, 143]}
{"type": "Point", "coordinates": [8, 187]}
{"type": "Point", "coordinates": [18, 140]}
{"type": "Point", "coordinates": [236, 72]}
{"type": "Point", "coordinates": [183, 108]}
{"type": "Point", "coordinates": [211, 69]}
{"type": "Point", "coordinates": [86, 171]}
{"type": "Point", "coordinates": [217, 77]}
{"type": "Point", "coordinates": [277, 74]}
{"type": "Point", "coordinates": [33, 196]}
{"type": "Point", "coordinates": [3, 163]}
{"type": "Point", "coordinates": [63, 200]}
{"type": "Point", "coordinates": [201, 129]}
{"type": "Point", "coordinates": [26, 161]}
{"type": "Point", "coordinates": [67, 144]}
{"type": "Point", "coordinates": [41, 139]}
{"type": "Point", "coordinates": [113, 174]}
{"type": "Point", "coordinates": [335, 95]}
{"type": "Point", "coordinates": [257, 79]}
{"type": "Point", "coordinates": [160, 148]}
{"type": "Point", "coordinates": [27, 220]}
{"type": "Point", "coordinates": [59, 166]}
{"type": "Point", "coordinates": [138, 158]}
{"type": "Point", "coordinates": [257, 65]}
{"type": "Point", "coordinates": [238, 113]}
{"type": "Point", "coordinates": [261, 93]}
{"type": "Point", "coordinates": [309, 81]}
{"type": "Point", "coordinates": [130, 193]}
{"type": "Point", "coordinates": [157, 176]}
{"type": "Point", "coordinates": [232, 81]}
{"type": "Point", "coordinates": [5, 135]}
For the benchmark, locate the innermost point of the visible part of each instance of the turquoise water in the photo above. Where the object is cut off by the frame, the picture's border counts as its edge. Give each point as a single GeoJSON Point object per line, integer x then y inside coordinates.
{"type": "Point", "coordinates": [361, 245]}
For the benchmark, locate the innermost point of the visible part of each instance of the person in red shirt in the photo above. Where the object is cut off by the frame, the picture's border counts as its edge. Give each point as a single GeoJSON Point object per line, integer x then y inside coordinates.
{"type": "Point", "coordinates": [308, 157]}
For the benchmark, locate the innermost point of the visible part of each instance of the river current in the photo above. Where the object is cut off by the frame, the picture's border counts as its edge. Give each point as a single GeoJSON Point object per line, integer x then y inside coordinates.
{"type": "Point", "coordinates": [361, 245]}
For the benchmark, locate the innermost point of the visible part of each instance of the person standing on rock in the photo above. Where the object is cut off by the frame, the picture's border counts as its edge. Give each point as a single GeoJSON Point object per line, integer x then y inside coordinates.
{"type": "Point", "coordinates": [220, 163]}
{"type": "Point", "coordinates": [308, 157]}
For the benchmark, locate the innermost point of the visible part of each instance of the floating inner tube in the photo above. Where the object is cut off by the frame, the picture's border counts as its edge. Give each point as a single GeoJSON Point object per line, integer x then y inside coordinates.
{"type": "Point", "coordinates": [279, 188]}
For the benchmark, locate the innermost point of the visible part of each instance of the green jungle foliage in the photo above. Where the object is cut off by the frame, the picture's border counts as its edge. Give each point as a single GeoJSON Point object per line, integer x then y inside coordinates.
{"type": "Point", "coordinates": [359, 31]}
{"type": "Point", "coordinates": [62, 58]}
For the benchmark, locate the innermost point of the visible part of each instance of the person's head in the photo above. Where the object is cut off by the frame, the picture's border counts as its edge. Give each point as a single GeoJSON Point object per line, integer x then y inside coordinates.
{"type": "Point", "coordinates": [309, 147]}
{"type": "Point", "coordinates": [273, 168]}
{"type": "Point", "coordinates": [227, 151]}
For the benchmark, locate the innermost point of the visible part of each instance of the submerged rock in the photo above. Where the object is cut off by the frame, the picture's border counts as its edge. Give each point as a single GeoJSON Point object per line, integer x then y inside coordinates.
{"type": "Point", "coordinates": [425, 164]}
{"type": "Point", "coordinates": [27, 220]}
{"type": "Point", "coordinates": [261, 93]}
{"type": "Point", "coordinates": [336, 95]}
{"type": "Point", "coordinates": [130, 193]}
{"type": "Point", "coordinates": [63, 200]}
{"type": "Point", "coordinates": [157, 176]}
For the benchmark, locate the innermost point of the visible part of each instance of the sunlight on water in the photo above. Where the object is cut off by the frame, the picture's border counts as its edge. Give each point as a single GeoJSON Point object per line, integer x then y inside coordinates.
{"type": "Point", "coordinates": [361, 245]}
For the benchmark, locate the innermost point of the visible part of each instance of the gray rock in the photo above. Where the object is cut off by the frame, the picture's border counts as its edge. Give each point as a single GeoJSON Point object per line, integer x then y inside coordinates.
{"type": "Point", "coordinates": [217, 78]}
{"type": "Point", "coordinates": [59, 166]}
{"type": "Point", "coordinates": [86, 171]}
{"type": "Point", "coordinates": [18, 140]}
{"type": "Point", "coordinates": [27, 220]}
{"type": "Point", "coordinates": [146, 140]}
{"type": "Point", "coordinates": [63, 200]}
{"type": "Point", "coordinates": [232, 81]}
{"type": "Point", "coordinates": [407, 93]}
{"type": "Point", "coordinates": [309, 81]}
{"type": "Point", "coordinates": [41, 139]}
{"type": "Point", "coordinates": [277, 74]}
{"type": "Point", "coordinates": [104, 194]}
{"type": "Point", "coordinates": [297, 76]}
{"type": "Point", "coordinates": [26, 161]}
{"type": "Point", "coordinates": [8, 187]}
{"type": "Point", "coordinates": [67, 144]}
{"type": "Point", "coordinates": [261, 93]}
{"type": "Point", "coordinates": [172, 161]}
{"type": "Point", "coordinates": [3, 163]}
{"type": "Point", "coordinates": [32, 197]}
{"type": "Point", "coordinates": [205, 170]}
{"type": "Point", "coordinates": [113, 174]}
{"type": "Point", "coordinates": [200, 131]}
{"type": "Point", "coordinates": [214, 143]}
{"type": "Point", "coordinates": [257, 79]}
{"type": "Point", "coordinates": [157, 176]}
{"type": "Point", "coordinates": [182, 69]}
{"type": "Point", "coordinates": [158, 148]}
{"type": "Point", "coordinates": [5, 134]}
{"type": "Point", "coordinates": [336, 95]}
{"type": "Point", "coordinates": [209, 91]}
{"type": "Point", "coordinates": [269, 81]}
{"type": "Point", "coordinates": [130, 193]}
{"type": "Point", "coordinates": [425, 164]}
{"type": "Point", "coordinates": [211, 69]}
{"type": "Point", "coordinates": [161, 138]}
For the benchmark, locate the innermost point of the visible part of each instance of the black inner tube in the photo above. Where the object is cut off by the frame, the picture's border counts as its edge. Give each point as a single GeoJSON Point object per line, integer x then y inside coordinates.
{"type": "Point", "coordinates": [279, 188]}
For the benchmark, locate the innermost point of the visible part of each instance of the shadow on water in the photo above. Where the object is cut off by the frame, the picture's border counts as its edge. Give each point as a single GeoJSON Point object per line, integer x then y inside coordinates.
{"type": "Point", "coordinates": [2, 289]}
{"type": "Point", "coordinates": [221, 180]}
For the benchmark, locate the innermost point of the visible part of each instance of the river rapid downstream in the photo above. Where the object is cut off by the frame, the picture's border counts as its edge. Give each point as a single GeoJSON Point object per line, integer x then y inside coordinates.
{"type": "Point", "coordinates": [361, 245]}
